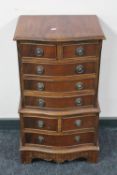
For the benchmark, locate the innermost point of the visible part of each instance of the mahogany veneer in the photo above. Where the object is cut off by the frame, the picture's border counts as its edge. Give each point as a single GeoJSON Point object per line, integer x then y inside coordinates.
{"type": "Point", "coordinates": [59, 60]}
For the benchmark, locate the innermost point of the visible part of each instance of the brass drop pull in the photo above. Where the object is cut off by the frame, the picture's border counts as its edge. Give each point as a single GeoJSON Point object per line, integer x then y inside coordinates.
{"type": "Point", "coordinates": [40, 86]}
{"type": "Point", "coordinates": [41, 102]}
{"type": "Point", "coordinates": [39, 52]}
{"type": "Point", "coordinates": [40, 123]}
{"type": "Point", "coordinates": [80, 69]}
{"type": "Point", "coordinates": [79, 85]}
{"type": "Point", "coordinates": [40, 70]}
{"type": "Point", "coordinates": [78, 123]}
{"type": "Point", "coordinates": [80, 51]}
{"type": "Point", "coordinates": [78, 101]}
{"type": "Point", "coordinates": [77, 139]}
{"type": "Point", "coordinates": [40, 139]}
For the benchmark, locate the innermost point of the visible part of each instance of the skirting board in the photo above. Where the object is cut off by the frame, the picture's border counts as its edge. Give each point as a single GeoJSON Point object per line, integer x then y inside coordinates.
{"type": "Point", "coordinates": [14, 124]}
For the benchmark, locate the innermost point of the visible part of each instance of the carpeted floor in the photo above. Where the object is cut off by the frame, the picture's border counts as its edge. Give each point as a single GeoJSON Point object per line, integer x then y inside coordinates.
{"type": "Point", "coordinates": [10, 159]}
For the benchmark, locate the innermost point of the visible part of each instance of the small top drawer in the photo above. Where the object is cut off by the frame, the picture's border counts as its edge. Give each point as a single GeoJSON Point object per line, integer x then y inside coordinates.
{"type": "Point", "coordinates": [80, 50]}
{"type": "Point", "coordinates": [37, 50]}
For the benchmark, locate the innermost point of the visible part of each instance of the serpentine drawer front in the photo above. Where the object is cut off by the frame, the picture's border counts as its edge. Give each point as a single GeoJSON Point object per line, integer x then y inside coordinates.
{"type": "Point", "coordinates": [57, 102]}
{"type": "Point", "coordinates": [65, 69]}
{"type": "Point", "coordinates": [55, 85]}
{"type": "Point", "coordinates": [59, 60]}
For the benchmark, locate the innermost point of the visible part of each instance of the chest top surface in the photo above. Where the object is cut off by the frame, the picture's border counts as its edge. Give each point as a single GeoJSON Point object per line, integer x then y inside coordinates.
{"type": "Point", "coordinates": [58, 28]}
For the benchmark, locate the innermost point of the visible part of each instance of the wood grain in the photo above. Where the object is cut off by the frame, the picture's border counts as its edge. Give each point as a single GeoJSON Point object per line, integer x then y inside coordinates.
{"type": "Point", "coordinates": [58, 28]}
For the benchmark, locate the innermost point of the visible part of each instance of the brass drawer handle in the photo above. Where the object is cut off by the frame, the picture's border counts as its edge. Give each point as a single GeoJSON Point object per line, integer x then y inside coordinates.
{"type": "Point", "coordinates": [78, 123]}
{"type": "Point", "coordinates": [77, 139]}
{"type": "Point", "coordinates": [78, 101]}
{"type": "Point", "coordinates": [79, 85]}
{"type": "Point", "coordinates": [40, 123]}
{"type": "Point", "coordinates": [40, 86]}
{"type": "Point", "coordinates": [40, 139]}
{"type": "Point", "coordinates": [39, 52]}
{"type": "Point", "coordinates": [80, 51]}
{"type": "Point", "coordinates": [41, 103]}
{"type": "Point", "coordinates": [80, 69]}
{"type": "Point", "coordinates": [40, 70]}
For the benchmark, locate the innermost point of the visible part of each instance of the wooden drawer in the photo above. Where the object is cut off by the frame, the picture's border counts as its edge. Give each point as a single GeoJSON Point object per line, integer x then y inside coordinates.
{"type": "Point", "coordinates": [66, 85]}
{"type": "Point", "coordinates": [60, 140]}
{"type": "Point", "coordinates": [37, 50]}
{"type": "Point", "coordinates": [59, 69]}
{"type": "Point", "coordinates": [79, 122]}
{"type": "Point", "coordinates": [59, 102]}
{"type": "Point", "coordinates": [39, 122]}
{"type": "Point", "coordinates": [80, 50]}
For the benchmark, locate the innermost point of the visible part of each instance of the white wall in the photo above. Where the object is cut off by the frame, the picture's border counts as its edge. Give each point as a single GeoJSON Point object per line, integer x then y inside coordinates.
{"type": "Point", "coordinates": [9, 82]}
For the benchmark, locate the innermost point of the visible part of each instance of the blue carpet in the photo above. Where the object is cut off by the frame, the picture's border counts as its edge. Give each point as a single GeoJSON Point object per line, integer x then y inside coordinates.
{"type": "Point", "coordinates": [10, 158]}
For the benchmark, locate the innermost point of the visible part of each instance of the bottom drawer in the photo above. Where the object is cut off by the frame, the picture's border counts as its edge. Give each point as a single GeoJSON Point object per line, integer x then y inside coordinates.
{"type": "Point", "coordinates": [61, 140]}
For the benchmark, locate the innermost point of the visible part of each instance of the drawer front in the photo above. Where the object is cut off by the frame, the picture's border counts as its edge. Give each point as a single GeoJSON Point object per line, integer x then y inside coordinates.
{"type": "Point", "coordinates": [41, 123]}
{"type": "Point", "coordinates": [56, 102]}
{"type": "Point", "coordinates": [73, 123]}
{"type": "Point", "coordinates": [59, 70]}
{"type": "Point", "coordinates": [63, 140]}
{"type": "Point", "coordinates": [80, 50]}
{"type": "Point", "coordinates": [37, 50]}
{"type": "Point", "coordinates": [60, 86]}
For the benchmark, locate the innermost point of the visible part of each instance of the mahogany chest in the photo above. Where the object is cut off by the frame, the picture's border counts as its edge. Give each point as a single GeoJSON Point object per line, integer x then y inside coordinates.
{"type": "Point", "coordinates": [59, 60]}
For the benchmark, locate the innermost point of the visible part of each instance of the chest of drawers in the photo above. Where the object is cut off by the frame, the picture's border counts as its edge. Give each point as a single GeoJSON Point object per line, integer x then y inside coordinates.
{"type": "Point", "coordinates": [59, 60]}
